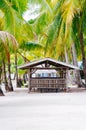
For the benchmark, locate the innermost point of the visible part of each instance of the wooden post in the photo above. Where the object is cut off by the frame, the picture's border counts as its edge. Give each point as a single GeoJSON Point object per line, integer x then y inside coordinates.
{"type": "Point", "coordinates": [67, 79]}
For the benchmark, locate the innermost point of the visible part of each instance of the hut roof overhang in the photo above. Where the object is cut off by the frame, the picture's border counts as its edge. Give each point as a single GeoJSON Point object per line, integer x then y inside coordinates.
{"type": "Point", "coordinates": [50, 61]}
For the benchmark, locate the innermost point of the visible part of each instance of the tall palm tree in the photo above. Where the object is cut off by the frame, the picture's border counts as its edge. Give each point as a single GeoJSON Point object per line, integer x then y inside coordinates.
{"type": "Point", "coordinates": [74, 13]}
{"type": "Point", "coordinates": [7, 42]}
{"type": "Point", "coordinates": [67, 24]}
{"type": "Point", "coordinates": [12, 13]}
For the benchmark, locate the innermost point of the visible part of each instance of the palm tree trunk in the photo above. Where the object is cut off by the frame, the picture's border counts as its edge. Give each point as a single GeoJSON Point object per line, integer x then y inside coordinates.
{"type": "Point", "coordinates": [83, 54]}
{"type": "Point", "coordinates": [5, 78]}
{"type": "Point", "coordinates": [9, 73]}
{"type": "Point", "coordinates": [77, 72]}
{"type": "Point", "coordinates": [16, 70]}
{"type": "Point", "coordinates": [66, 56]}
{"type": "Point", "coordinates": [9, 78]}
{"type": "Point", "coordinates": [1, 92]}
{"type": "Point", "coordinates": [82, 46]}
{"type": "Point", "coordinates": [69, 78]}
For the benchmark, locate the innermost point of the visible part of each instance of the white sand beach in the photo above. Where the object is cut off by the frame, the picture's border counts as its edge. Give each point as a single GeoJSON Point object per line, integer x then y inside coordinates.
{"type": "Point", "coordinates": [20, 110]}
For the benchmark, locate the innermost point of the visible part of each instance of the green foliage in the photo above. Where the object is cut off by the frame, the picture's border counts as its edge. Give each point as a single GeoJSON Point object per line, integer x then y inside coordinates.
{"type": "Point", "coordinates": [8, 43]}
{"type": "Point", "coordinates": [40, 23]}
{"type": "Point", "coordinates": [19, 5]}
{"type": "Point", "coordinates": [13, 21]}
{"type": "Point", "coordinates": [31, 46]}
{"type": "Point", "coordinates": [58, 26]}
{"type": "Point", "coordinates": [53, 31]}
{"type": "Point", "coordinates": [31, 21]}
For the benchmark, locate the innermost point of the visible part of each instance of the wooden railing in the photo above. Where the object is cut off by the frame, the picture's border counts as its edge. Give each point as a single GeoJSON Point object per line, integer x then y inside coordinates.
{"type": "Point", "coordinates": [47, 83]}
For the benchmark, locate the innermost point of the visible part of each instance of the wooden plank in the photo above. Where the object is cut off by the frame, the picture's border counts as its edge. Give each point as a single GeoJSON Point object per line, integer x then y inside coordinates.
{"type": "Point", "coordinates": [48, 83]}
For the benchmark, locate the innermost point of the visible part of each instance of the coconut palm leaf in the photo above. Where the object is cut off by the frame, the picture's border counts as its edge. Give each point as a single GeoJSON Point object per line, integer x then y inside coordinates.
{"type": "Point", "coordinates": [31, 46]}
{"type": "Point", "coordinates": [19, 5]}
{"type": "Point", "coordinates": [69, 10]}
{"type": "Point", "coordinates": [13, 18]}
{"type": "Point", "coordinates": [41, 22]}
{"type": "Point", "coordinates": [53, 31]}
{"type": "Point", "coordinates": [8, 40]}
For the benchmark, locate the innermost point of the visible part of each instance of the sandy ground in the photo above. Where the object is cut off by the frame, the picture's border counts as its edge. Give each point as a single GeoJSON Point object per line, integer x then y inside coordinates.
{"type": "Point", "coordinates": [21, 110]}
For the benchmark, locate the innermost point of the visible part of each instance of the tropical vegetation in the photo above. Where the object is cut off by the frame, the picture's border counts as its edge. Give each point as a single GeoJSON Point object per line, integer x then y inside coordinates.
{"type": "Point", "coordinates": [57, 28]}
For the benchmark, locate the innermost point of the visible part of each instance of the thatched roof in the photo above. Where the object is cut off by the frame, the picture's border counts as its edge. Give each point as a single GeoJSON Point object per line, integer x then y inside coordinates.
{"type": "Point", "coordinates": [50, 61]}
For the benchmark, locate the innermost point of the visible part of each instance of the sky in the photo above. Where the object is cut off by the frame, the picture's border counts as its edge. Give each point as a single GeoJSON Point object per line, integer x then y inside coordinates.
{"type": "Point", "coordinates": [32, 12]}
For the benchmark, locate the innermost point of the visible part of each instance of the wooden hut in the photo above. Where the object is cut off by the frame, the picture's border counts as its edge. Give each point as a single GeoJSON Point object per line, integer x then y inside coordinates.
{"type": "Point", "coordinates": [47, 83]}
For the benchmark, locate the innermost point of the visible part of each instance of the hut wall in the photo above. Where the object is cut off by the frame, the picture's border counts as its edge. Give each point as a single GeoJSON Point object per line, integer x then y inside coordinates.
{"type": "Point", "coordinates": [48, 83]}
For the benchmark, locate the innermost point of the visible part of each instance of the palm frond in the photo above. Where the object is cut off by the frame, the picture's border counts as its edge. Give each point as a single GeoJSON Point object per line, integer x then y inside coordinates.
{"type": "Point", "coordinates": [31, 46]}
{"type": "Point", "coordinates": [5, 7]}
{"type": "Point", "coordinates": [41, 22]}
{"type": "Point", "coordinates": [69, 9]}
{"type": "Point", "coordinates": [8, 40]}
{"type": "Point", "coordinates": [53, 31]}
{"type": "Point", "coordinates": [20, 5]}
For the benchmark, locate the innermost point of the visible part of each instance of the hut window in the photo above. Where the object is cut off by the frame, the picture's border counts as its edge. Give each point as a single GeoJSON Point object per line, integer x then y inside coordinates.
{"type": "Point", "coordinates": [43, 75]}
{"type": "Point", "coordinates": [49, 75]}
{"type": "Point", "coordinates": [38, 75]}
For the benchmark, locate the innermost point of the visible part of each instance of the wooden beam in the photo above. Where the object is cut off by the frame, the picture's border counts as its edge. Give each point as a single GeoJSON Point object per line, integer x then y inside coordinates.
{"type": "Point", "coordinates": [55, 68]}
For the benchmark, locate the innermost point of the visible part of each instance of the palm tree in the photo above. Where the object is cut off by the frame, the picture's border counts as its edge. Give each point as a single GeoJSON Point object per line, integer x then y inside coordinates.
{"type": "Point", "coordinates": [12, 14]}
{"type": "Point", "coordinates": [64, 28]}
{"type": "Point", "coordinates": [77, 72]}
{"type": "Point", "coordinates": [74, 13]}
{"type": "Point", "coordinates": [7, 42]}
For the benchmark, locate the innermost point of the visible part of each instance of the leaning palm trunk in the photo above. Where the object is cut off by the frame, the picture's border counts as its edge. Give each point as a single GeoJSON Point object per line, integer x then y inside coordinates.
{"type": "Point", "coordinates": [1, 92]}
{"type": "Point", "coordinates": [5, 78]}
{"type": "Point", "coordinates": [8, 41]}
{"type": "Point", "coordinates": [68, 77]}
{"type": "Point", "coordinates": [16, 70]}
{"type": "Point", "coordinates": [77, 72]}
{"type": "Point", "coordinates": [9, 75]}
{"type": "Point", "coordinates": [83, 54]}
{"type": "Point", "coordinates": [9, 79]}
{"type": "Point", "coordinates": [66, 56]}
